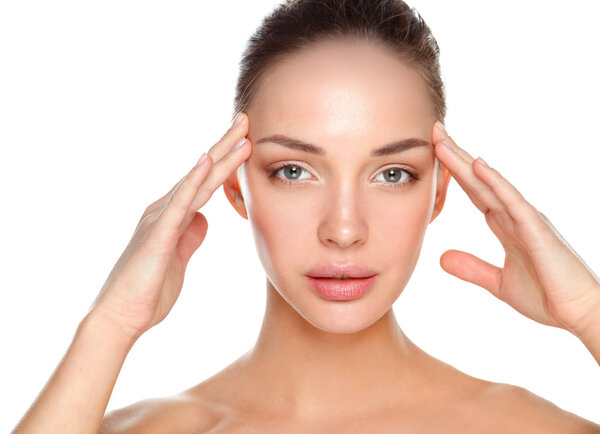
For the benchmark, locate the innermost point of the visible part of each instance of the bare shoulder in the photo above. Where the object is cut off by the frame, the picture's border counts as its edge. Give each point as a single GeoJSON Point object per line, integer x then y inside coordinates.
{"type": "Point", "coordinates": [179, 413]}
{"type": "Point", "coordinates": [528, 412]}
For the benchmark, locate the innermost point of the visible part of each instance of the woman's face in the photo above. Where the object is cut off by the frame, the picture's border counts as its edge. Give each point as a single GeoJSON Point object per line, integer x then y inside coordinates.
{"type": "Point", "coordinates": [341, 205]}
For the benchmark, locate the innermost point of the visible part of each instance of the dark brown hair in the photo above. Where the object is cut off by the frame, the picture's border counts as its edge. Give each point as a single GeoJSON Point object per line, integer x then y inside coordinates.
{"type": "Point", "coordinates": [295, 24]}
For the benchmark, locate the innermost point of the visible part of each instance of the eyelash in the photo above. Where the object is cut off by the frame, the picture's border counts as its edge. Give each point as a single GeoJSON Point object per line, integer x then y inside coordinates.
{"type": "Point", "coordinates": [398, 185]}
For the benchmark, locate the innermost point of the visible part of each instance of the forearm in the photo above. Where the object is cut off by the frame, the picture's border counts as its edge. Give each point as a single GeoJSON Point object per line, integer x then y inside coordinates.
{"type": "Point", "coordinates": [76, 395]}
{"type": "Point", "coordinates": [589, 333]}
{"type": "Point", "coordinates": [591, 338]}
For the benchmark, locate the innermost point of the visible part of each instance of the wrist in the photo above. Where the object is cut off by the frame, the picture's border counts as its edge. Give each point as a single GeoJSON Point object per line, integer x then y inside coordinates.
{"type": "Point", "coordinates": [590, 325]}
{"type": "Point", "coordinates": [589, 334]}
{"type": "Point", "coordinates": [98, 322]}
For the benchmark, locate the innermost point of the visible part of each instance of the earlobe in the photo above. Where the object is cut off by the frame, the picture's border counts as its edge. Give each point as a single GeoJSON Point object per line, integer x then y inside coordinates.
{"type": "Point", "coordinates": [232, 190]}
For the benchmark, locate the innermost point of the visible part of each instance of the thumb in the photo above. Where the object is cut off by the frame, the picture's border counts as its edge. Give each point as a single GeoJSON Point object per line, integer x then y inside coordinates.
{"type": "Point", "coordinates": [192, 237]}
{"type": "Point", "coordinates": [471, 269]}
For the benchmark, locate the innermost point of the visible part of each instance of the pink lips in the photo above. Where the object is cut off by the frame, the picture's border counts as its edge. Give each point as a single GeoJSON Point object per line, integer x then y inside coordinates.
{"type": "Point", "coordinates": [360, 279]}
{"type": "Point", "coordinates": [349, 269]}
{"type": "Point", "coordinates": [336, 289]}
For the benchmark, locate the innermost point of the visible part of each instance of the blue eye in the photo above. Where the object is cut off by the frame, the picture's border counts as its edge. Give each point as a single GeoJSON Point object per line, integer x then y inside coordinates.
{"type": "Point", "coordinates": [292, 169]}
{"type": "Point", "coordinates": [394, 174]}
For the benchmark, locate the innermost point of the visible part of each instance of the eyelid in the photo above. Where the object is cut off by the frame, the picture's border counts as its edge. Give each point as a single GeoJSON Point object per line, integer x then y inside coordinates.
{"type": "Point", "coordinates": [281, 164]}
{"type": "Point", "coordinates": [395, 166]}
{"type": "Point", "coordinates": [413, 176]}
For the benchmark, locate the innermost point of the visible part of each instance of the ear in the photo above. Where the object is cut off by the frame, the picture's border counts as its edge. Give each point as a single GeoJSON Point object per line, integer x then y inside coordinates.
{"type": "Point", "coordinates": [443, 180]}
{"type": "Point", "coordinates": [232, 190]}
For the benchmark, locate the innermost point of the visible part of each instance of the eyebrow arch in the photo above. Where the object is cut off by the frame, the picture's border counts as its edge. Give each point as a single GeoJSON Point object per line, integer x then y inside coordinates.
{"type": "Point", "coordinates": [299, 145]}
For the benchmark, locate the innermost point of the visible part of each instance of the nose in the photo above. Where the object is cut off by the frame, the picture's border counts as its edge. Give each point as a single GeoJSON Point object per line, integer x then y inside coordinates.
{"type": "Point", "coordinates": [343, 223]}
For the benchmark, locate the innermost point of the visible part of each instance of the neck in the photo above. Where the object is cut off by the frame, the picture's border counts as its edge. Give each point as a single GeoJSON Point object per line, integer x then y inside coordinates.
{"type": "Point", "coordinates": [300, 370]}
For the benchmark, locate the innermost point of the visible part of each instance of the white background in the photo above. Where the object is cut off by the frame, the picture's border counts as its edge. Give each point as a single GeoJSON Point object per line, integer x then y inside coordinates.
{"type": "Point", "coordinates": [104, 106]}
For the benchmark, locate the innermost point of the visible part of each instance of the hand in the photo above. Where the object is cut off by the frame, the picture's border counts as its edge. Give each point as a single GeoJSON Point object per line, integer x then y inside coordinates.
{"type": "Point", "coordinates": [147, 279]}
{"type": "Point", "coordinates": [542, 278]}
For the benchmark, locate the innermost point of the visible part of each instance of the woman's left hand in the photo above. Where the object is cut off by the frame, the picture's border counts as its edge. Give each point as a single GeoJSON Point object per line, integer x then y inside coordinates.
{"type": "Point", "coordinates": [542, 278]}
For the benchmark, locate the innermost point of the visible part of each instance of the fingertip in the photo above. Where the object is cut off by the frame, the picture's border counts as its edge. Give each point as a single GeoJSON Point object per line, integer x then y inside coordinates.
{"type": "Point", "coordinates": [202, 159]}
{"type": "Point", "coordinates": [443, 143]}
{"type": "Point", "coordinates": [441, 127]}
{"type": "Point", "coordinates": [239, 118]}
{"type": "Point", "coordinates": [439, 132]}
{"type": "Point", "coordinates": [482, 162]}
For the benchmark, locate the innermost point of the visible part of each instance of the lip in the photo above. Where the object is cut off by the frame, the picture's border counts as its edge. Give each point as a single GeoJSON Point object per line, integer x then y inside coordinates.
{"type": "Point", "coordinates": [360, 280]}
{"type": "Point", "coordinates": [337, 289]}
{"type": "Point", "coordinates": [331, 269]}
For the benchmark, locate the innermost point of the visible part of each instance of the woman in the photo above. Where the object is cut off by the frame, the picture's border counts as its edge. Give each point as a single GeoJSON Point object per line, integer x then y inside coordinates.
{"type": "Point", "coordinates": [339, 160]}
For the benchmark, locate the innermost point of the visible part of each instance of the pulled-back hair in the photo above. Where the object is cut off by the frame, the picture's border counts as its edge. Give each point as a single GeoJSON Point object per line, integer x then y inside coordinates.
{"type": "Point", "coordinates": [295, 24]}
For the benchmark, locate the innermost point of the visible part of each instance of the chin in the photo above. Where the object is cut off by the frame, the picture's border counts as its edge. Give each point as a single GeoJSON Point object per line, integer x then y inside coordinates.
{"type": "Point", "coordinates": [342, 317]}
{"type": "Point", "coordinates": [342, 322]}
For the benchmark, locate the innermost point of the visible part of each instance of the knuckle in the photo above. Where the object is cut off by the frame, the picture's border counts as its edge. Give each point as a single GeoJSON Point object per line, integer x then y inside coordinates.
{"type": "Point", "coordinates": [146, 215]}
{"type": "Point", "coordinates": [226, 136]}
{"type": "Point", "coordinates": [151, 208]}
{"type": "Point", "coordinates": [177, 204]}
{"type": "Point", "coordinates": [524, 214]}
{"type": "Point", "coordinates": [142, 222]}
{"type": "Point", "coordinates": [202, 195]}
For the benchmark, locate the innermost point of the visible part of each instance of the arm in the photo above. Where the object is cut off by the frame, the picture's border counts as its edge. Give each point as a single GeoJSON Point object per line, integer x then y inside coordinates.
{"type": "Point", "coordinates": [591, 335]}
{"type": "Point", "coordinates": [75, 398]}
{"type": "Point", "coordinates": [137, 295]}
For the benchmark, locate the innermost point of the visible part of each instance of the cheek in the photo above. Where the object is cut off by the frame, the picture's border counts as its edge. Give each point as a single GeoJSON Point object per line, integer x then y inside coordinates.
{"type": "Point", "coordinates": [278, 211]}
{"type": "Point", "coordinates": [285, 220]}
{"type": "Point", "coordinates": [280, 221]}
{"type": "Point", "coordinates": [398, 225]}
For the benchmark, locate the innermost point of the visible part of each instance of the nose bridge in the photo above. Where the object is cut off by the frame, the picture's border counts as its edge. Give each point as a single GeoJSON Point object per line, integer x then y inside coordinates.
{"type": "Point", "coordinates": [343, 220]}
{"type": "Point", "coordinates": [344, 197]}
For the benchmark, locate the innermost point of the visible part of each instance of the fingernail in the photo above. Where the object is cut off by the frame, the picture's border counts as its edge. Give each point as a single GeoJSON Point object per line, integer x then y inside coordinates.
{"type": "Point", "coordinates": [239, 144]}
{"type": "Point", "coordinates": [441, 127]}
{"type": "Point", "coordinates": [483, 161]}
{"type": "Point", "coordinates": [202, 159]}
{"type": "Point", "coordinates": [238, 119]}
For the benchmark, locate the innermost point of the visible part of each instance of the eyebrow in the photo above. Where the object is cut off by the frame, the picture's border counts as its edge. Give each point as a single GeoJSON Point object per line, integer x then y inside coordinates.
{"type": "Point", "coordinates": [299, 145]}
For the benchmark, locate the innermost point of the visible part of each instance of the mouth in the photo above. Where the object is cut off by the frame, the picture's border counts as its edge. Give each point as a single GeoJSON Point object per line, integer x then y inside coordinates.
{"type": "Point", "coordinates": [341, 287]}
{"type": "Point", "coordinates": [341, 271]}
{"type": "Point", "coordinates": [347, 281]}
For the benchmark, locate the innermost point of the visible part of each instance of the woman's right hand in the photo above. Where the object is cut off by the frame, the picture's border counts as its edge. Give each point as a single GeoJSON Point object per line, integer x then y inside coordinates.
{"type": "Point", "coordinates": [147, 279]}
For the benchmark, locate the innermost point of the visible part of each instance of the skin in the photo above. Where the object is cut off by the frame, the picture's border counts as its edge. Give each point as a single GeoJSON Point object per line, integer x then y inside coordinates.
{"type": "Point", "coordinates": [314, 356]}
{"type": "Point", "coordinates": [321, 365]}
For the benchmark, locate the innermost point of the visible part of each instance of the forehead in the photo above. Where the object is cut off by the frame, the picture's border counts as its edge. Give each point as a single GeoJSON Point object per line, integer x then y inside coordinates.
{"type": "Point", "coordinates": [342, 88]}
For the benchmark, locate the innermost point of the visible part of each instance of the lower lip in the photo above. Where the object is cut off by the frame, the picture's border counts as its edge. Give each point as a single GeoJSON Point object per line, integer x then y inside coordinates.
{"type": "Point", "coordinates": [337, 289]}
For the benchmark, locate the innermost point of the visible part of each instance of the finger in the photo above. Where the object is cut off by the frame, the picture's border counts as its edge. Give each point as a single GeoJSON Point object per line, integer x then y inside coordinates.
{"type": "Point", "coordinates": [220, 171]}
{"type": "Point", "coordinates": [177, 209]}
{"type": "Point", "coordinates": [516, 205]}
{"type": "Point", "coordinates": [471, 269]}
{"type": "Point", "coordinates": [231, 136]}
{"type": "Point", "coordinates": [460, 164]}
{"type": "Point", "coordinates": [159, 203]}
{"type": "Point", "coordinates": [235, 131]}
{"type": "Point", "coordinates": [176, 214]}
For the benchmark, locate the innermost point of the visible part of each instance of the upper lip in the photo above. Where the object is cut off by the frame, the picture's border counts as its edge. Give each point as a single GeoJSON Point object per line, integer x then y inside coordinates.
{"type": "Point", "coordinates": [347, 270]}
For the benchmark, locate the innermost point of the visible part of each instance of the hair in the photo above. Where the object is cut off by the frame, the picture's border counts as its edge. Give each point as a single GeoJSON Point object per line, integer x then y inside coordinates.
{"type": "Point", "coordinates": [296, 24]}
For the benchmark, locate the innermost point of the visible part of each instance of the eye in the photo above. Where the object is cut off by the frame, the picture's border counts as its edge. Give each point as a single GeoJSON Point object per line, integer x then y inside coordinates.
{"type": "Point", "coordinates": [291, 169]}
{"type": "Point", "coordinates": [394, 174]}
